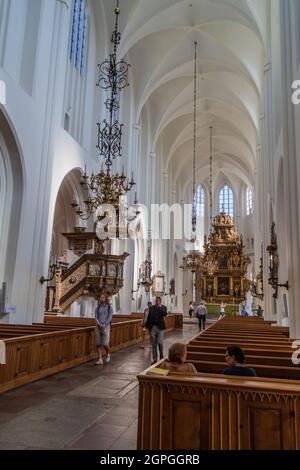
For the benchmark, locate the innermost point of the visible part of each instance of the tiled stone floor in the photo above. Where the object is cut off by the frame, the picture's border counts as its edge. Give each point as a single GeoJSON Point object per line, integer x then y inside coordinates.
{"type": "Point", "coordinates": [88, 407]}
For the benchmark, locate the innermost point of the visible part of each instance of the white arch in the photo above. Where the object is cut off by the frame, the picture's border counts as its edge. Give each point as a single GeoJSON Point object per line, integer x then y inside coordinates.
{"type": "Point", "coordinates": [11, 199]}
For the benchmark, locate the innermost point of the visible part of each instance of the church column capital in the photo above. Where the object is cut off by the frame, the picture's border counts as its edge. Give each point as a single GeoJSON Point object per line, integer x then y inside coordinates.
{"type": "Point", "coordinates": [153, 155]}
{"type": "Point", "coordinates": [136, 127]}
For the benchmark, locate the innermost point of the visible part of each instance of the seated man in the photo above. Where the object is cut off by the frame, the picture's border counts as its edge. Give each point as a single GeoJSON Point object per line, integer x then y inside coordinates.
{"type": "Point", "coordinates": [176, 359]}
{"type": "Point", "coordinates": [235, 359]}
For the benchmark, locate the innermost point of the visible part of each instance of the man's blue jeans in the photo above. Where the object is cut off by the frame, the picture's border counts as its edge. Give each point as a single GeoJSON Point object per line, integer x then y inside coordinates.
{"type": "Point", "coordinates": [156, 337]}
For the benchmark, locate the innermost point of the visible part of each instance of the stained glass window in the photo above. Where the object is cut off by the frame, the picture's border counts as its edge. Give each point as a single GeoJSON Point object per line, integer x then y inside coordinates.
{"type": "Point", "coordinates": [200, 201]}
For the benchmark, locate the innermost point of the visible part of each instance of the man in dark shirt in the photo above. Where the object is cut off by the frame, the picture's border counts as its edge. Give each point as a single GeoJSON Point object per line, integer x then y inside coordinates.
{"type": "Point", "coordinates": [235, 359]}
{"type": "Point", "coordinates": [156, 325]}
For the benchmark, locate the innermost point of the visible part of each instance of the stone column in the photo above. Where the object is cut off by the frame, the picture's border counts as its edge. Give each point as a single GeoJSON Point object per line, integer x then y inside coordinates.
{"type": "Point", "coordinates": [43, 232]}
{"type": "Point", "coordinates": [135, 160]}
{"type": "Point", "coordinates": [291, 155]}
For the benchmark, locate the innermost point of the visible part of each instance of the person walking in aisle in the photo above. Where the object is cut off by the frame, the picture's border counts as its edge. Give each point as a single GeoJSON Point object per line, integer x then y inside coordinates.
{"type": "Point", "coordinates": [244, 312]}
{"type": "Point", "coordinates": [103, 316]}
{"type": "Point", "coordinates": [222, 310]}
{"type": "Point", "coordinates": [191, 309]}
{"type": "Point", "coordinates": [146, 313]}
{"type": "Point", "coordinates": [156, 325]}
{"type": "Point", "coordinates": [201, 314]}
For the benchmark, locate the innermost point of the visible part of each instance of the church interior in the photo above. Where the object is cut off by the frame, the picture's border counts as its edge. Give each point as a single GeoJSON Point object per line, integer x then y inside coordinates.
{"type": "Point", "coordinates": [149, 180]}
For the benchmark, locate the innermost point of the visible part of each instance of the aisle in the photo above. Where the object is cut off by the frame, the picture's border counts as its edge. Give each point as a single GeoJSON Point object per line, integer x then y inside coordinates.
{"type": "Point", "coordinates": [87, 407]}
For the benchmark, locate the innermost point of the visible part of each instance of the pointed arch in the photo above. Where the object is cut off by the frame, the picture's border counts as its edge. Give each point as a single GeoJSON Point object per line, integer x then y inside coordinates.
{"type": "Point", "coordinates": [226, 200]}
{"type": "Point", "coordinates": [11, 199]}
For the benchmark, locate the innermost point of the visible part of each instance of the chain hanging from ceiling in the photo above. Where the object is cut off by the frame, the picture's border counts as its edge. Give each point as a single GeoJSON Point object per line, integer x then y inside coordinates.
{"type": "Point", "coordinates": [193, 260]}
{"type": "Point", "coordinates": [113, 76]}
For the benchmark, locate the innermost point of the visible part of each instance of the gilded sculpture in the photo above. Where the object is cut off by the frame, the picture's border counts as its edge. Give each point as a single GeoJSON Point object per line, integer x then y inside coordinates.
{"type": "Point", "coordinates": [224, 264]}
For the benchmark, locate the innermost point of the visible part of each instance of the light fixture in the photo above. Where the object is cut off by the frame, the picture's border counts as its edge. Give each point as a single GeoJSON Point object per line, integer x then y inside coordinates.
{"type": "Point", "coordinates": [193, 260]}
{"type": "Point", "coordinates": [274, 264]}
{"type": "Point", "coordinates": [145, 272]}
{"type": "Point", "coordinates": [106, 188]}
{"type": "Point", "coordinates": [55, 265]}
{"type": "Point", "coordinates": [210, 263]}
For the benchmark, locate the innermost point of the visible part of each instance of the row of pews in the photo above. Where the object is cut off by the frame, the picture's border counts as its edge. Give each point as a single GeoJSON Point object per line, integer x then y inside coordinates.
{"type": "Point", "coordinates": [36, 351]}
{"type": "Point", "coordinates": [211, 411]}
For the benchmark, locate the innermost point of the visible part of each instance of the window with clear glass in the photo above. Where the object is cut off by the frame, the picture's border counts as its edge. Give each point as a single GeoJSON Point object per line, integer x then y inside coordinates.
{"type": "Point", "coordinates": [249, 197]}
{"type": "Point", "coordinates": [200, 201]}
{"type": "Point", "coordinates": [226, 201]}
{"type": "Point", "coordinates": [78, 39]}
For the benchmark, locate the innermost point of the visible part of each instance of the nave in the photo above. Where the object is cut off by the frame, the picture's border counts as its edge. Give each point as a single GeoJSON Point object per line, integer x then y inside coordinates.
{"type": "Point", "coordinates": [84, 408]}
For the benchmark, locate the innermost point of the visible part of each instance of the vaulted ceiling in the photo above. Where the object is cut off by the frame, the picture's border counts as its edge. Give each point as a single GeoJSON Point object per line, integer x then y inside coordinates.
{"type": "Point", "coordinates": [158, 38]}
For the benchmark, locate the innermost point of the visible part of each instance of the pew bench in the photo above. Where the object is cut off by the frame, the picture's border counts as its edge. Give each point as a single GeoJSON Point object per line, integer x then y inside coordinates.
{"type": "Point", "coordinates": [273, 371]}
{"type": "Point", "coordinates": [37, 351]}
{"type": "Point", "coordinates": [199, 347]}
{"type": "Point", "coordinates": [254, 358]}
{"type": "Point", "coordinates": [215, 412]}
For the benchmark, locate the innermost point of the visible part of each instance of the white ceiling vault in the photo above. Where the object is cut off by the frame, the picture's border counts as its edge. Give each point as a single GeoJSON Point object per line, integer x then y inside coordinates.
{"type": "Point", "coordinates": [158, 38]}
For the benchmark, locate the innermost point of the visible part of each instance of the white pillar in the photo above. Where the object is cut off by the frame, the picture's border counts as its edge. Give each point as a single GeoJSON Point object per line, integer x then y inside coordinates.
{"type": "Point", "coordinates": [290, 160]}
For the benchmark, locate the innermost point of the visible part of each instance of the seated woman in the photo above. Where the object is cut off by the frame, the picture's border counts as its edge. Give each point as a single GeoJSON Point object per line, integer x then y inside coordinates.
{"type": "Point", "coordinates": [235, 359]}
{"type": "Point", "coordinates": [176, 359]}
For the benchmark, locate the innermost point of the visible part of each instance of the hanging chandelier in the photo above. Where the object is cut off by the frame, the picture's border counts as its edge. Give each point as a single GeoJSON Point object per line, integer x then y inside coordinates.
{"type": "Point", "coordinates": [106, 188]}
{"type": "Point", "coordinates": [210, 264]}
{"type": "Point", "coordinates": [193, 260]}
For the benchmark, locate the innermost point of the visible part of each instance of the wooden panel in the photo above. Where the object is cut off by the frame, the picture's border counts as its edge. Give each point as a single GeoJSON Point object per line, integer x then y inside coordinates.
{"type": "Point", "coordinates": [216, 414]}
{"type": "Point", "coordinates": [186, 425]}
{"type": "Point", "coordinates": [265, 429]}
{"type": "Point", "coordinates": [45, 354]}
{"type": "Point", "coordinates": [23, 359]}
{"type": "Point", "coordinates": [268, 425]}
{"type": "Point", "coordinates": [76, 345]}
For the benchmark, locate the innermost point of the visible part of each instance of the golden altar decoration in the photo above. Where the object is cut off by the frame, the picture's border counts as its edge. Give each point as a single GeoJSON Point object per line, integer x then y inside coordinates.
{"type": "Point", "coordinates": [222, 277]}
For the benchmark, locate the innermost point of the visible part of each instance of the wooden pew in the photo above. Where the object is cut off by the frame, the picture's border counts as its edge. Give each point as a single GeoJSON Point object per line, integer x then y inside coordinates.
{"type": "Point", "coordinates": [215, 412]}
{"type": "Point", "coordinates": [254, 358]}
{"type": "Point", "coordinates": [197, 346]}
{"type": "Point", "coordinates": [257, 336]}
{"type": "Point", "coordinates": [207, 411]}
{"type": "Point", "coordinates": [172, 320]}
{"type": "Point", "coordinates": [36, 351]}
{"type": "Point", "coordinates": [259, 339]}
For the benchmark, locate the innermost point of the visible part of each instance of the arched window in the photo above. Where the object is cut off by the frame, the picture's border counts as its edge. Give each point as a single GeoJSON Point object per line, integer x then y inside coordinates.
{"type": "Point", "coordinates": [200, 201]}
{"type": "Point", "coordinates": [78, 35]}
{"type": "Point", "coordinates": [249, 201]}
{"type": "Point", "coordinates": [226, 200]}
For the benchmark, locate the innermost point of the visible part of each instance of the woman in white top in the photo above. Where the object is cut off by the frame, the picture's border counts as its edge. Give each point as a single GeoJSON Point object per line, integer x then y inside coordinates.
{"type": "Point", "coordinates": [222, 310]}
{"type": "Point", "coordinates": [191, 309]}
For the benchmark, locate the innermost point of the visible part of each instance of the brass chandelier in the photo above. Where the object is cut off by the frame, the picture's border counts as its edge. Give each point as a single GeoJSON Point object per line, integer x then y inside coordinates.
{"type": "Point", "coordinates": [105, 188]}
